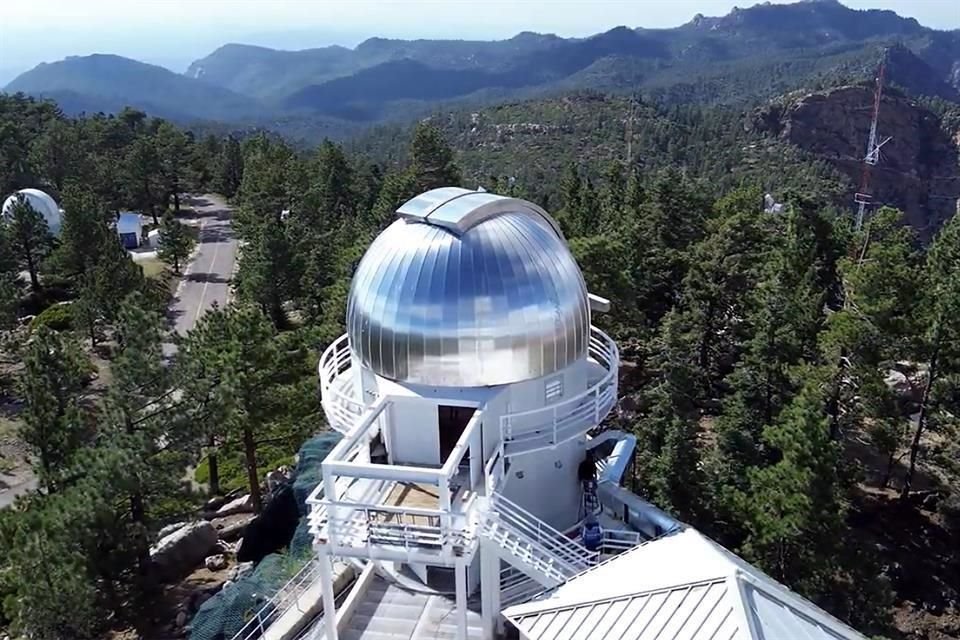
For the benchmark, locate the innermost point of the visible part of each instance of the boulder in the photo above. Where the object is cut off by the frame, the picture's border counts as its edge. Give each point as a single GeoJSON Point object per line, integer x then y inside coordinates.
{"type": "Point", "coordinates": [897, 382]}
{"type": "Point", "coordinates": [243, 504]}
{"type": "Point", "coordinates": [216, 502]}
{"type": "Point", "coordinates": [239, 571]}
{"type": "Point", "coordinates": [170, 528]}
{"type": "Point", "coordinates": [181, 620]}
{"type": "Point", "coordinates": [181, 551]}
{"type": "Point", "coordinates": [277, 478]}
{"type": "Point", "coordinates": [273, 529]}
{"type": "Point", "coordinates": [232, 531]}
{"type": "Point", "coordinates": [215, 563]}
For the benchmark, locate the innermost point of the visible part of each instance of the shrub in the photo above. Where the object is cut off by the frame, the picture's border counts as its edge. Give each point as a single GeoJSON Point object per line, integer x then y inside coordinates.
{"type": "Point", "coordinates": [950, 512]}
{"type": "Point", "coordinates": [59, 317]}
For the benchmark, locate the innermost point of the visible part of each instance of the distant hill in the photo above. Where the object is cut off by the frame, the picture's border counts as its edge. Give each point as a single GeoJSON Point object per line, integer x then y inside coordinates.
{"type": "Point", "coordinates": [107, 83]}
{"type": "Point", "coordinates": [748, 56]}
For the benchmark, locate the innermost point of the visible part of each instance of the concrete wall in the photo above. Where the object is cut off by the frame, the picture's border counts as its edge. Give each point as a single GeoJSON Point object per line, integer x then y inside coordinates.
{"type": "Point", "coordinates": [545, 483]}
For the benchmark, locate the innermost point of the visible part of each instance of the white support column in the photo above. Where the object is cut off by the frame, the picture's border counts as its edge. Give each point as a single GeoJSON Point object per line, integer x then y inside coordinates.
{"type": "Point", "coordinates": [461, 578]}
{"type": "Point", "coordinates": [326, 587]}
{"type": "Point", "coordinates": [476, 462]}
{"type": "Point", "coordinates": [489, 589]}
{"type": "Point", "coordinates": [443, 489]}
{"type": "Point", "coordinates": [330, 496]}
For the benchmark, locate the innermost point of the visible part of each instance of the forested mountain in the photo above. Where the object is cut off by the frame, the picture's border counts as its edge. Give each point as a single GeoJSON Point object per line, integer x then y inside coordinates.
{"type": "Point", "coordinates": [751, 54]}
{"type": "Point", "coordinates": [807, 141]}
{"type": "Point", "coordinates": [746, 51]}
{"type": "Point", "coordinates": [107, 83]}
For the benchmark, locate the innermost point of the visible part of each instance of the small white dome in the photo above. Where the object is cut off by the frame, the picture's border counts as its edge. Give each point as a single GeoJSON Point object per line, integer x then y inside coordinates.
{"type": "Point", "coordinates": [41, 202]}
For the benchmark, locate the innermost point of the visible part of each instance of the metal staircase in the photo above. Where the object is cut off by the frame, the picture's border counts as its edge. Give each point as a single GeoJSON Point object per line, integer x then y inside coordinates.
{"type": "Point", "coordinates": [531, 545]}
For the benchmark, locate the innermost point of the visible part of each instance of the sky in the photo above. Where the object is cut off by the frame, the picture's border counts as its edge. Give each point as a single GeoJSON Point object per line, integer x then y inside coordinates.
{"type": "Point", "coordinates": [172, 33]}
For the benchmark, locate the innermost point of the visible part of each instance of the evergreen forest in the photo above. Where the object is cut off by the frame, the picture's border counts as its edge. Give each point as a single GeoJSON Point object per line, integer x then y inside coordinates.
{"type": "Point", "coordinates": [792, 381]}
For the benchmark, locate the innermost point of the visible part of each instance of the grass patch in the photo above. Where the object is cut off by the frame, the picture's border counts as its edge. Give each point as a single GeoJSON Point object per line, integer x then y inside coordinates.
{"type": "Point", "coordinates": [233, 470]}
{"type": "Point", "coordinates": [154, 268]}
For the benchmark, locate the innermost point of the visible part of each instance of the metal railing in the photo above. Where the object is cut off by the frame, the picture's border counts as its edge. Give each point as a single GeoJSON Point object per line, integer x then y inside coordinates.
{"type": "Point", "coordinates": [516, 586]}
{"type": "Point", "coordinates": [545, 427]}
{"type": "Point", "coordinates": [361, 525]}
{"type": "Point", "coordinates": [494, 470]}
{"type": "Point", "coordinates": [280, 602]}
{"type": "Point", "coordinates": [615, 541]}
{"type": "Point", "coordinates": [567, 555]}
{"type": "Point", "coordinates": [337, 395]}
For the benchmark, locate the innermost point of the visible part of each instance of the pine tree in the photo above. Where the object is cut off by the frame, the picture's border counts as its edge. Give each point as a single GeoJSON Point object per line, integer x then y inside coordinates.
{"type": "Point", "coordinates": [230, 365]}
{"type": "Point", "coordinates": [612, 198]}
{"type": "Point", "coordinates": [175, 242]}
{"type": "Point", "coordinates": [668, 434]}
{"type": "Point", "coordinates": [45, 569]}
{"type": "Point", "coordinates": [9, 289]}
{"type": "Point", "coordinates": [57, 154]}
{"type": "Point", "coordinates": [940, 342]}
{"type": "Point", "coordinates": [84, 230]}
{"type": "Point", "coordinates": [143, 186]}
{"type": "Point", "coordinates": [230, 168]}
{"type": "Point", "coordinates": [30, 238]}
{"type": "Point", "coordinates": [139, 416]}
{"type": "Point", "coordinates": [669, 221]}
{"type": "Point", "coordinates": [794, 508]}
{"type": "Point", "coordinates": [54, 424]}
{"type": "Point", "coordinates": [173, 148]}
{"type": "Point", "coordinates": [264, 276]}
{"type": "Point", "coordinates": [725, 268]}
{"type": "Point", "coordinates": [432, 160]}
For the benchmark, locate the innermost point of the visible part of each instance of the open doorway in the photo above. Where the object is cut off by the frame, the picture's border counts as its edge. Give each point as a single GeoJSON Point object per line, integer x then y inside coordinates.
{"type": "Point", "coordinates": [452, 421]}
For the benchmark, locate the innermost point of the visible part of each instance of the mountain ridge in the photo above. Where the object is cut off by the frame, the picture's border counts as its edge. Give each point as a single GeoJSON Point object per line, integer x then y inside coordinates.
{"type": "Point", "coordinates": [104, 80]}
{"type": "Point", "coordinates": [750, 54]}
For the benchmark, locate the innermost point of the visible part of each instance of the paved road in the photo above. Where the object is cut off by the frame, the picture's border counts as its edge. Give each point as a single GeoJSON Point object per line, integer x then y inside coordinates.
{"type": "Point", "coordinates": [207, 278]}
{"type": "Point", "coordinates": [22, 481]}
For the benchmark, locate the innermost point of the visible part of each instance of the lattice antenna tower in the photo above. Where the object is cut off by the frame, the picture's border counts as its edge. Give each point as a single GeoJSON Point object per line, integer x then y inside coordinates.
{"type": "Point", "coordinates": [863, 198]}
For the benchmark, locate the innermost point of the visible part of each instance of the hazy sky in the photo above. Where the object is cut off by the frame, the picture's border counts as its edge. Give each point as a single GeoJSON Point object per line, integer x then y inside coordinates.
{"type": "Point", "coordinates": [174, 32]}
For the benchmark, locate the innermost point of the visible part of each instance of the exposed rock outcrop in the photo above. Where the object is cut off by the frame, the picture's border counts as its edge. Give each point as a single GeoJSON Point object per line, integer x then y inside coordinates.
{"type": "Point", "coordinates": [183, 549]}
{"type": "Point", "coordinates": [918, 171]}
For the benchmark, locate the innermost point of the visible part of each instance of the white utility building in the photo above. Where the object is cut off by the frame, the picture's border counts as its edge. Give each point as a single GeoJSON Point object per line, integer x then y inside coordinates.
{"type": "Point", "coordinates": [41, 202]}
{"type": "Point", "coordinates": [130, 229]}
{"type": "Point", "coordinates": [474, 493]}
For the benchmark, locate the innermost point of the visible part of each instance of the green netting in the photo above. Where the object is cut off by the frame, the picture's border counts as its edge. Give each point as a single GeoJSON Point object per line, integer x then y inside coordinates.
{"type": "Point", "coordinates": [307, 475]}
{"type": "Point", "coordinates": [302, 542]}
{"type": "Point", "coordinates": [225, 615]}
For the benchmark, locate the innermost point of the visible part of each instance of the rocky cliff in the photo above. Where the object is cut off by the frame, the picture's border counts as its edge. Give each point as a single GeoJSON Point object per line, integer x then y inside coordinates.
{"type": "Point", "coordinates": [918, 171]}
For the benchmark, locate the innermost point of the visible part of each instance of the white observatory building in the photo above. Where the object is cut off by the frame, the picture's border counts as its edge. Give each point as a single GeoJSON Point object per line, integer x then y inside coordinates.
{"type": "Point", "coordinates": [41, 202]}
{"type": "Point", "coordinates": [470, 388]}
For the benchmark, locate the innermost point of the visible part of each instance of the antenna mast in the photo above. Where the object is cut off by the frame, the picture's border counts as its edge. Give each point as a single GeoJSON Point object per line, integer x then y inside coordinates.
{"type": "Point", "coordinates": [863, 197]}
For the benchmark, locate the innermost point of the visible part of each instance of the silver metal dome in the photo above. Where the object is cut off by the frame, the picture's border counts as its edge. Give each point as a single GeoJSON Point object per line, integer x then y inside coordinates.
{"type": "Point", "coordinates": [468, 289]}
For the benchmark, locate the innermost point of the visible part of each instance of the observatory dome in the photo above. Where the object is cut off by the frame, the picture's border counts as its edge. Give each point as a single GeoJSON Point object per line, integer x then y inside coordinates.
{"type": "Point", "coordinates": [468, 289]}
{"type": "Point", "coordinates": [41, 202]}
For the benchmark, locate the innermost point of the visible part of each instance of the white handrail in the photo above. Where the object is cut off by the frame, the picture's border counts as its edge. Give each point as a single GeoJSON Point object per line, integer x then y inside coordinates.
{"type": "Point", "coordinates": [575, 556]}
{"type": "Point", "coordinates": [343, 408]}
{"type": "Point", "coordinates": [405, 527]}
{"type": "Point", "coordinates": [549, 426]}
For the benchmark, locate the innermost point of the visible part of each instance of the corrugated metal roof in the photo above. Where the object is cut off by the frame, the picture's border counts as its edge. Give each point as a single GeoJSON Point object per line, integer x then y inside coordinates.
{"type": "Point", "coordinates": [680, 587]}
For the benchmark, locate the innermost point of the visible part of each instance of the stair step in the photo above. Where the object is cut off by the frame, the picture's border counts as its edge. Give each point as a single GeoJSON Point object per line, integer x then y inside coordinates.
{"type": "Point", "coordinates": [390, 609]}
{"type": "Point", "coordinates": [382, 624]}
{"type": "Point", "coordinates": [353, 634]}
